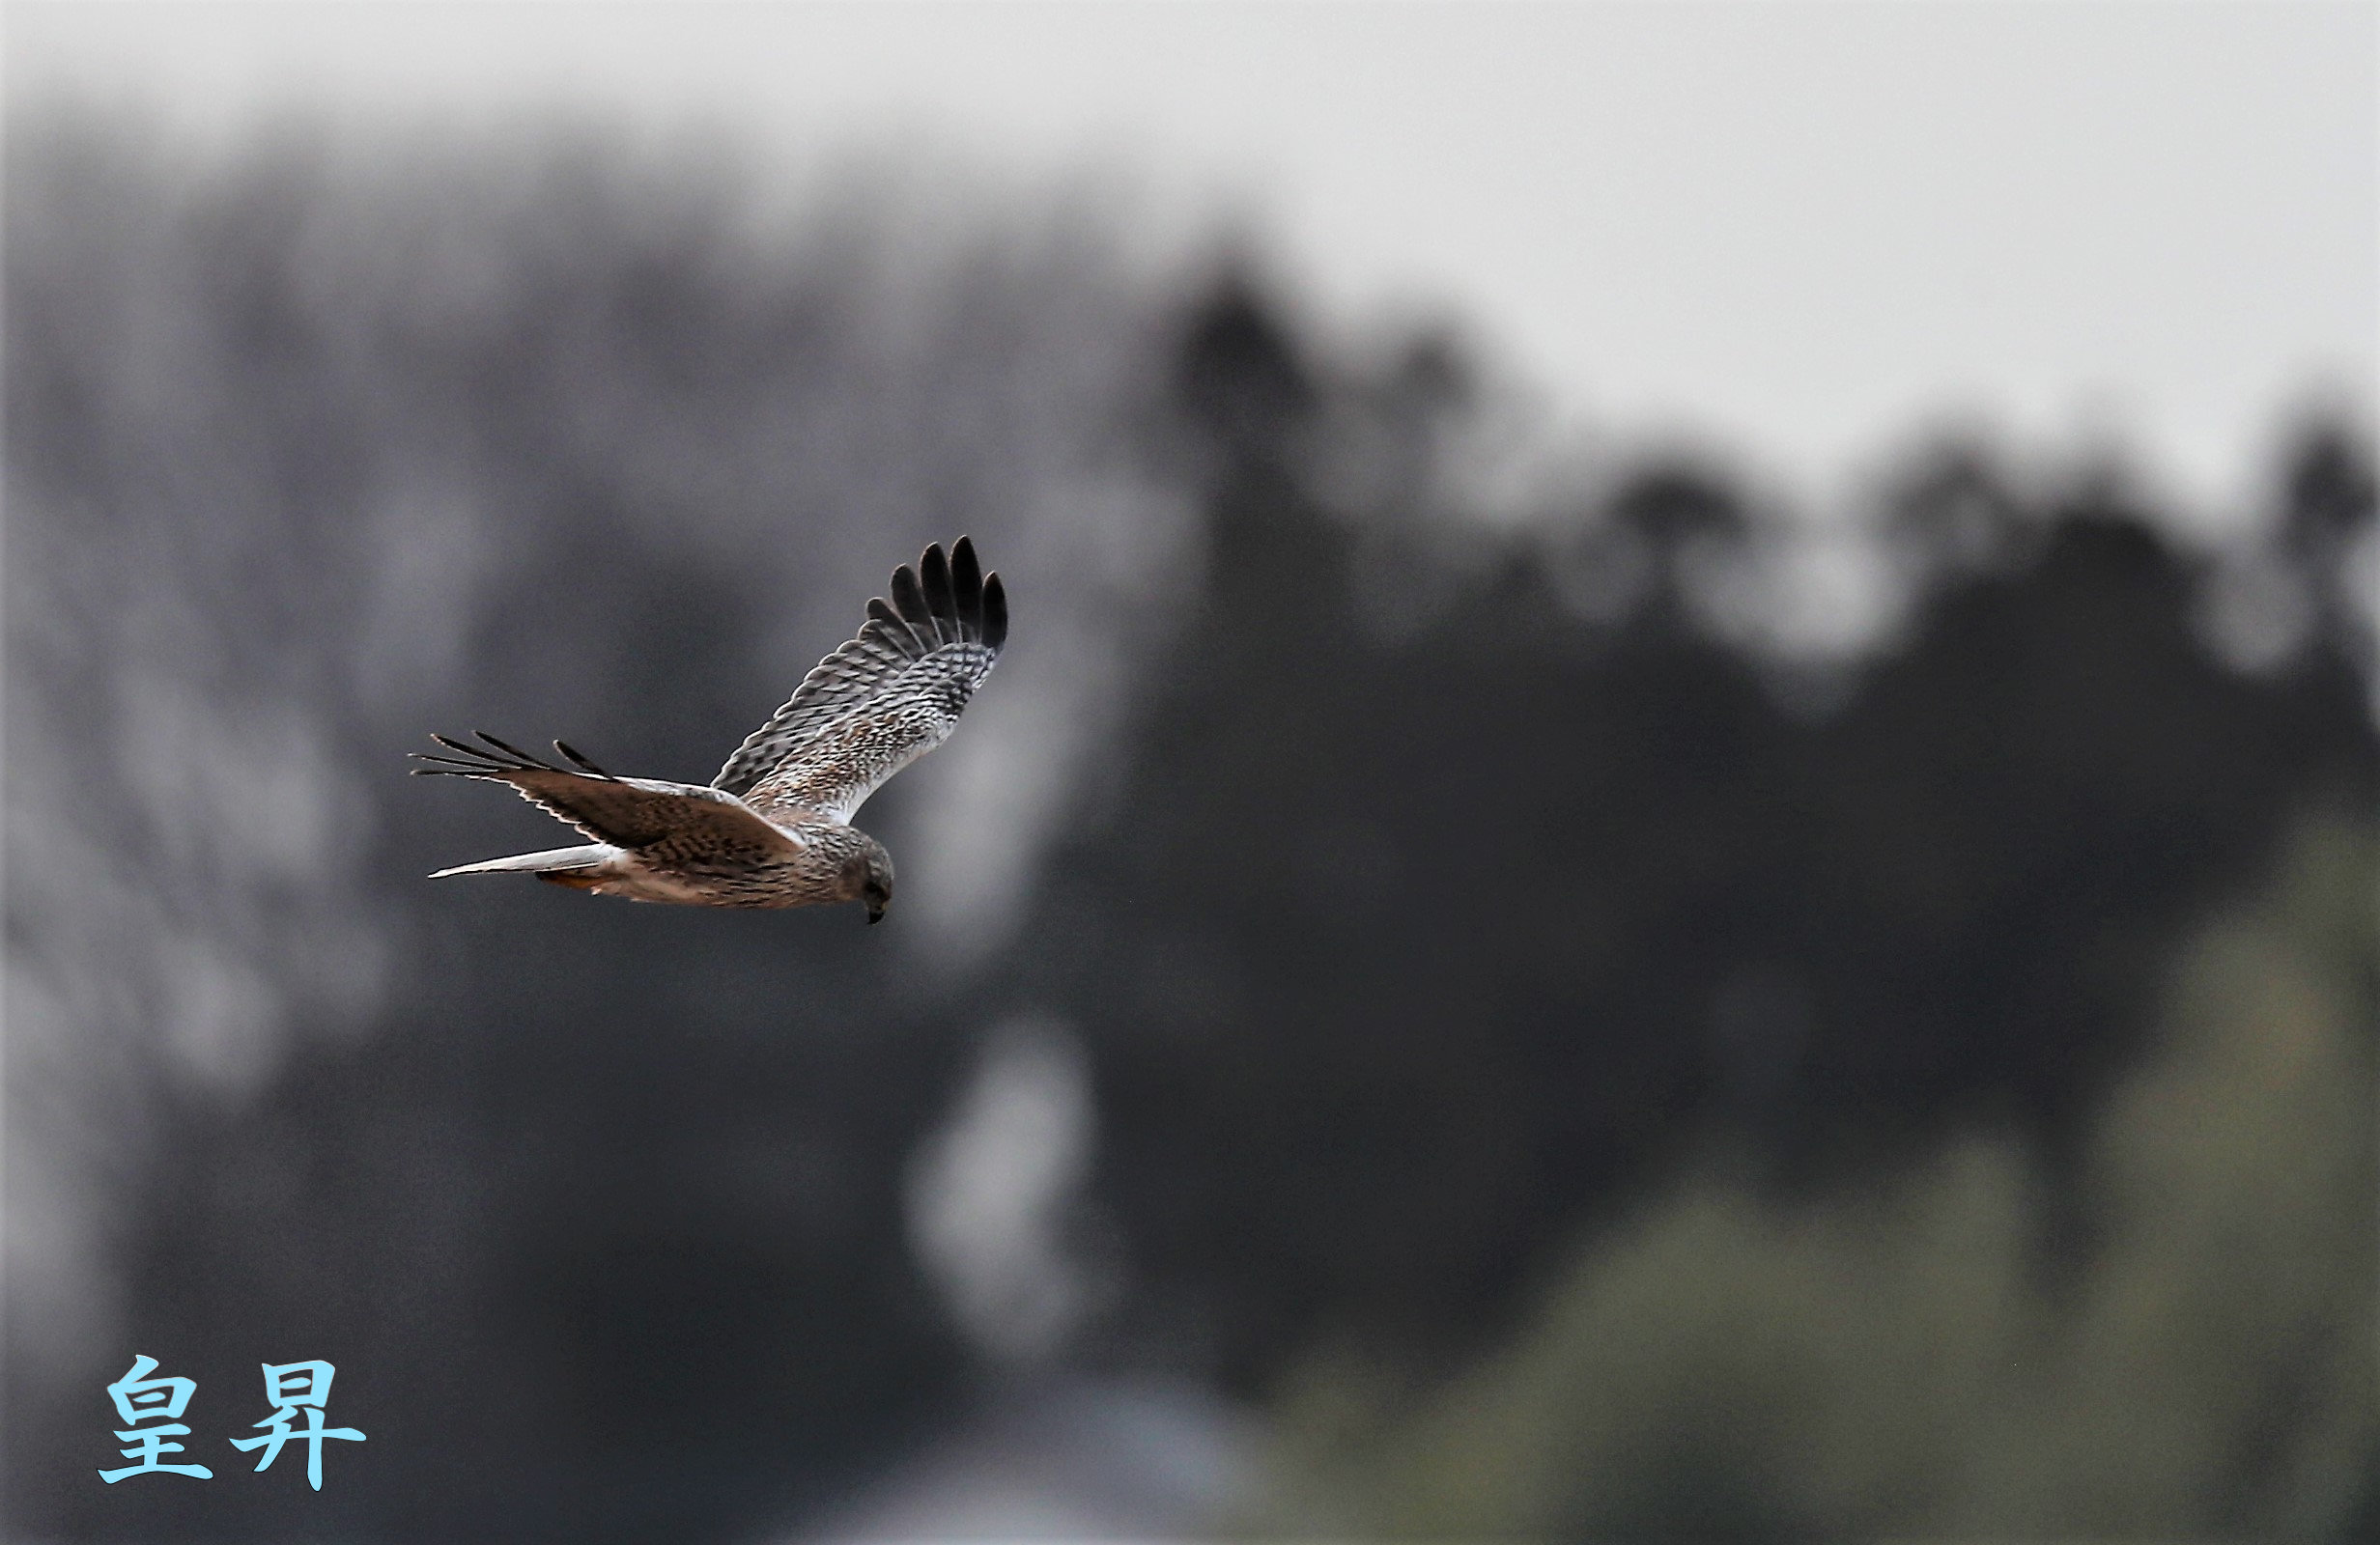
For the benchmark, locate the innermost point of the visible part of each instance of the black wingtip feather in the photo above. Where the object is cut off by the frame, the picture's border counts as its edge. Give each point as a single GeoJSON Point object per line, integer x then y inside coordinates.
{"type": "Point", "coordinates": [967, 580]}
{"type": "Point", "coordinates": [995, 612]}
{"type": "Point", "coordinates": [910, 602]}
{"type": "Point", "coordinates": [581, 761]}
{"type": "Point", "coordinates": [496, 756]}
{"type": "Point", "coordinates": [514, 752]}
{"type": "Point", "coordinates": [934, 570]}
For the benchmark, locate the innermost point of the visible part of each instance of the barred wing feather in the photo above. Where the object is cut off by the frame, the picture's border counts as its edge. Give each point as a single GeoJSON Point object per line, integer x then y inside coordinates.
{"type": "Point", "coordinates": [884, 699]}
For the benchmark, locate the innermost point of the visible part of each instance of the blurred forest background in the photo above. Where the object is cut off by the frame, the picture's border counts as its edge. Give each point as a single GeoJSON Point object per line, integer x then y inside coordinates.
{"type": "Point", "coordinates": [1421, 1001]}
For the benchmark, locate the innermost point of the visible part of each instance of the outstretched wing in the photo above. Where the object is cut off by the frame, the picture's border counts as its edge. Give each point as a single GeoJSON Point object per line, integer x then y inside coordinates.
{"type": "Point", "coordinates": [884, 699]}
{"type": "Point", "coordinates": [675, 824]}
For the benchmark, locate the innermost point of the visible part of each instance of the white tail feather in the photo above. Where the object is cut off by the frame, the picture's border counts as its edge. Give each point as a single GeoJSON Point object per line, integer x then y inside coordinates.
{"type": "Point", "coordinates": [551, 861]}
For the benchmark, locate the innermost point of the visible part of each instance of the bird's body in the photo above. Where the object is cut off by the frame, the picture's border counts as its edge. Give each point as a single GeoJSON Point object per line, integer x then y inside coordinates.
{"type": "Point", "coordinates": [774, 830]}
{"type": "Point", "coordinates": [814, 862]}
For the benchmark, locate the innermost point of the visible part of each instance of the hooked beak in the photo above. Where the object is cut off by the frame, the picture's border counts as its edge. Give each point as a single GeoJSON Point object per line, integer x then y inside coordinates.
{"type": "Point", "coordinates": [875, 916]}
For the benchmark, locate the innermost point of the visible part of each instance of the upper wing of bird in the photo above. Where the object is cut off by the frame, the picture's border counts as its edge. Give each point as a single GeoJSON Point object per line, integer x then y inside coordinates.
{"type": "Point", "coordinates": [674, 823]}
{"type": "Point", "coordinates": [884, 699]}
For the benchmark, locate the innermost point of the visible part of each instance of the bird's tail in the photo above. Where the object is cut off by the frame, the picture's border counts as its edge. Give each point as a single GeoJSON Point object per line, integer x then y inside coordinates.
{"type": "Point", "coordinates": [561, 864]}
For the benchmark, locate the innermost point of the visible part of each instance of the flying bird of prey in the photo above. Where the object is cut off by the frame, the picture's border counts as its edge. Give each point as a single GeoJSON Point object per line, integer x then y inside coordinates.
{"type": "Point", "coordinates": [774, 830]}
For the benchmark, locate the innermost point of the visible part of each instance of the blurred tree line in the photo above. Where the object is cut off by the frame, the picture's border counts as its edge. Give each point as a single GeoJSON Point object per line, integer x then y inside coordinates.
{"type": "Point", "coordinates": [1421, 955]}
{"type": "Point", "coordinates": [1571, 1075]}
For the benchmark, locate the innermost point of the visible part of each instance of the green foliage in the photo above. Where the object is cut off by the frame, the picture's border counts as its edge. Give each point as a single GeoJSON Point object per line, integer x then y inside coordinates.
{"type": "Point", "coordinates": [1893, 1357]}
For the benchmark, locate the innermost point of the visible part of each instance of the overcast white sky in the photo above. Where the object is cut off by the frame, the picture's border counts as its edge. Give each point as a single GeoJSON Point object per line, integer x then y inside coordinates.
{"type": "Point", "coordinates": [1801, 230]}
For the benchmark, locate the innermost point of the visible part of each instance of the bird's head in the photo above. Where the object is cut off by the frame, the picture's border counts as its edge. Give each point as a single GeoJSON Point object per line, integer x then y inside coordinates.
{"type": "Point", "coordinates": [868, 877]}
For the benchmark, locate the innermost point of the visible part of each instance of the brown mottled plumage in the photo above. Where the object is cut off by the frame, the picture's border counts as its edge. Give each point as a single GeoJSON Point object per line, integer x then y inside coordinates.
{"type": "Point", "coordinates": [775, 829]}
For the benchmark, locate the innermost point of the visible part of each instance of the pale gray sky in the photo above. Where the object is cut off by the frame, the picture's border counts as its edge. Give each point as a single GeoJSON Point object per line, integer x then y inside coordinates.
{"type": "Point", "coordinates": [1799, 230]}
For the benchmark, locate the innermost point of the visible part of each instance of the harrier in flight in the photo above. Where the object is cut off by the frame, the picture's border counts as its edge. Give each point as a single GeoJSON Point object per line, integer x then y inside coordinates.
{"type": "Point", "coordinates": [774, 830]}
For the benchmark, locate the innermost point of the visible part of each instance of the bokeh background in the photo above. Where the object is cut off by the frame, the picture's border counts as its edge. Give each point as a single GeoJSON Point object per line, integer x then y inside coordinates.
{"type": "Point", "coordinates": [1527, 941]}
